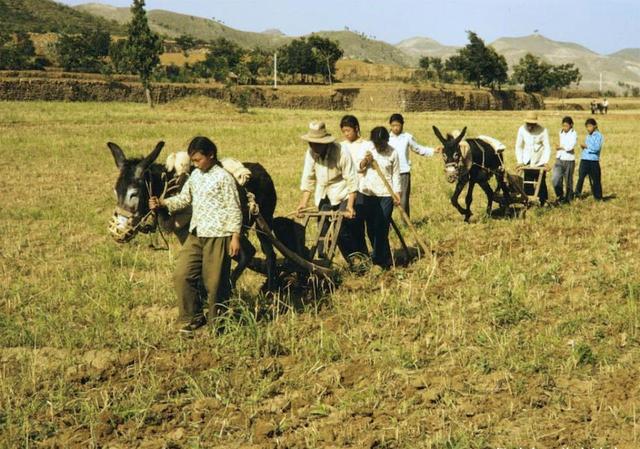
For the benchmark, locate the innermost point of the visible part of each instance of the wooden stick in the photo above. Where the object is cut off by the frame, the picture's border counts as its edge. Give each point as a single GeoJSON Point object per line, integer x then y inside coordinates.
{"type": "Point", "coordinates": [404, 215]}
{"type": "Point", "coordinates": [402, 242]}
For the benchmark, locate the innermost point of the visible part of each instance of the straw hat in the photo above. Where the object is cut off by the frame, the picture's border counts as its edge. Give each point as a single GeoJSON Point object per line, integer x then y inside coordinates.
{"type": "Point", "coordinates": [532, 117]}
{"type": "Point", "coordinates": [318, 133]}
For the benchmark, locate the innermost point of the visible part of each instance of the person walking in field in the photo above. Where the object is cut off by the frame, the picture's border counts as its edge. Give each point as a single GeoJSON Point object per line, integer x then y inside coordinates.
{"type": "Point", "coordinates": [590, 160]}
{"type": "Point", "coordinates": [403, 142]}
{"type": "Point", "coordinates": [562, 178]}
{"type": "Point", "coordinates": [375, 203]}
{"type": "Point", "coordinates": [533, 152]}
{"type": "Point", "coordinates": [330, 176]}
{"type": "Point", "coordinates": [214, 235]}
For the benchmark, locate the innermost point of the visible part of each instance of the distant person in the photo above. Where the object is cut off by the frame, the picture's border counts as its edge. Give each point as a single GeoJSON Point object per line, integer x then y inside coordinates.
{"type": "Point", "coordinates": [402, 142]}
{"type": "Point", "coordinates": [375, 202]}
{"type": "Point", "coordinates": [562, 178]}
{"type": "Point", "coordinates": [330, 176]}
{"type": "Point", "coordinates": [605, 106]}
{"type": "Point", "coordinates": [590, 160]}
{"type": "Point", "coordinates": [533, 152]}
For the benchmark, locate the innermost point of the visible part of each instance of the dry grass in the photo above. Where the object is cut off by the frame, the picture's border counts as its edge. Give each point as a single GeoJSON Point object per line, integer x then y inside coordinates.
{"type": "Point", "coordinates": [526, 335]}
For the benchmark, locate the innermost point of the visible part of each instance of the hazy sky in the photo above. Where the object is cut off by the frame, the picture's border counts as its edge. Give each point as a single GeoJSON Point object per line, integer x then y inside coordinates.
{"type": "Point", "coordinates": [604, 26]}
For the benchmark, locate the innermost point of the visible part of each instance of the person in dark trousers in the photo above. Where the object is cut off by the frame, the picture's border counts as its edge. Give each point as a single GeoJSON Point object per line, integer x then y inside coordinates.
{"type": "Point", "coordinates": [374, 202]}
{"type": "Point", "coordinates": [590, 160]}
{"type": "Point", "coordinates": [330, 178]}
{"type": "Point", "coordinates": [565, 165]}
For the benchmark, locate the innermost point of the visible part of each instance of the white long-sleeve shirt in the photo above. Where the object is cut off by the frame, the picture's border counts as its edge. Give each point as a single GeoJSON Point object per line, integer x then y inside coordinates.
{"type": "Point", "coordinates": [404, 142]}
{"type": "Point", "coordinates": [533, 148]}
{"type": "Point", "coordinates": [332, 176]}
{"type": "Point", "coordinates": [568, 142]}
{"type": "Point", "coordinates": [213, 196]}
{"type": "Point", "coordinates": [370, 182]}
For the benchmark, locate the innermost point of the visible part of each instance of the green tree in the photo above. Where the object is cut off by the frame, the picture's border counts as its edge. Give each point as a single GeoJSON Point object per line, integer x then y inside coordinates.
{"type": "Point", "coordinates": [143, 47]}
{"type": "Point", "coordinates": [479, 64]}
{"type": "Point", "coordinates": [186, 43]}
{"type": "Point", "coordinates": [84, 52]}
{"type": "Point", "coordinates": [536, 75]}
{"type": "Point", "coordinates": [326, 54]}
{"type": "Point", "coordinates": [17, 52]}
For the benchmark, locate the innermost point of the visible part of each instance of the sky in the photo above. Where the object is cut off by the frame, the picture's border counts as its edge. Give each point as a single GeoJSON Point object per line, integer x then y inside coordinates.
{"type": "Point", "coordinates": [604, 26]}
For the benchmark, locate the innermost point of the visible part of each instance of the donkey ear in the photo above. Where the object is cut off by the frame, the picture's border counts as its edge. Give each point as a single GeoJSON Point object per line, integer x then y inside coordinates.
{"type": "Point", "coordinates": [118, 154]}
{"type": "Point", "coordinates": [461, 136]}
{"type": "Point", "coordinates": [439, 135]}
{"type": "Point", "coordinates": [151, 158]}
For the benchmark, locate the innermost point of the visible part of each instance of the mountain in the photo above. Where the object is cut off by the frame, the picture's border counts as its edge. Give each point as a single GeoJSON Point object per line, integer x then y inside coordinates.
{"type": "Point", "coordinates": [590, 63]}
{"type": "Point", "coordinates": [418, 47]}
{"type": "Point", "coordinates": [173, 24]}
{"type": "Point", "coordinates": [628, 54]}
{"type": "Point", "coordinates": [43, 16]}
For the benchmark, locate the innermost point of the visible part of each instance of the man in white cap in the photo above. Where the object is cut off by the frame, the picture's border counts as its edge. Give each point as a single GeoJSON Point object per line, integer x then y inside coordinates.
{"type": "Point", "coordinates": [329, 173]}
{"type": "Point", "coordinates": [533, 152]}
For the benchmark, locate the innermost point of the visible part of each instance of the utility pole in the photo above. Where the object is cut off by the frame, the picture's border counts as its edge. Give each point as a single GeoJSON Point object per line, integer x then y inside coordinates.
{"type": "Point", "coordinates": [275, 70]}
{"type": "Point", "coordinates": [600, 81]}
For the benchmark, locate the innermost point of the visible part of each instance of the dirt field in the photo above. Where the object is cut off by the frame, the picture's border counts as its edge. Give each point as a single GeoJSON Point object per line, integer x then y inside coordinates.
{"type": "Point", "coordinates": [525, 333]}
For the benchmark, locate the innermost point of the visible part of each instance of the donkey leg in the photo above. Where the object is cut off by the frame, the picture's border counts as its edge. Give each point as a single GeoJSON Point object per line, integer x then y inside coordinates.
{"type": "Point", "coordinates": [456, 195]}
{"type": "Point", "coordinates": [272, 269]}
{"type": "Point", "coordinates": [489, 192]}
{"type": "Point", "coordinates": [247, 251]}
{"type": "Point", "coordinates": [468, 201]}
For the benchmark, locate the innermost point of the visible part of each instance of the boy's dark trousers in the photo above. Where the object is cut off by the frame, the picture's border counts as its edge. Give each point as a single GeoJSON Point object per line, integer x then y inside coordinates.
{"type": "Point", "coordinates": [405, 184]}
{"type": "Point", "coordinates": [592, 170]}
{"type": "Point", "coordinates": [206, 259]}
{"type": "Point", "coordinates": [563, 177]}
{"type": "Point", "coordinates": [376, 212]}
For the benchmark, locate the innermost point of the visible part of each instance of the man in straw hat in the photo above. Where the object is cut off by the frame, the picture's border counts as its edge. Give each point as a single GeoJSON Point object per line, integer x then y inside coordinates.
{"type": "Point", "coordinates": [329, 173]}
{"type": "Point", "coordinates": [533, 151]}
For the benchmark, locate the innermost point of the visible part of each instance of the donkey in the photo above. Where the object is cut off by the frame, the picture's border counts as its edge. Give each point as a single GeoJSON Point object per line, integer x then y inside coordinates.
{"type": "Point", "coordinates": [480, 163]}
{"type": "Point", "coordinates": [141, 178]}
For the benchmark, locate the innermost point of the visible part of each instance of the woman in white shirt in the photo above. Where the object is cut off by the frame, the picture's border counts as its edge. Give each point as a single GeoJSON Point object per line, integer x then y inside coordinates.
{"type": "Point", "coordinates": [375, 203]}
{"type": "Point", "coordinates": [565, 162]}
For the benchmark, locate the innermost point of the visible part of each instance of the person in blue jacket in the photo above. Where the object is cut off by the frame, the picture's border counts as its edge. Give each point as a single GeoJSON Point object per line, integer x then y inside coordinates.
{"type": "Point", "coordinates": [590, 160]}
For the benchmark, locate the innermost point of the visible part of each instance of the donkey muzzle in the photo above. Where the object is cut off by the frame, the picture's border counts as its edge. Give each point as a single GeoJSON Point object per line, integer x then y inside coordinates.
{"type": "Point", "coordinates": [451, 172]}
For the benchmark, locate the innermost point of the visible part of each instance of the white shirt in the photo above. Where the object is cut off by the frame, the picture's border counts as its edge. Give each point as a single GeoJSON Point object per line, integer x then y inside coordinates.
{"type": "Point", "coordinates": [533, 148]}
{"type": "Point", "coordinates": [404, 142]}
{"type": "Point", "coordinates": [370, 182]}
{"type": "Point", "coordinates": [333, 176]}
{"type": "Point", "coordinates": [568, 142]}
{"type": "Point", "coordinates": [353, 147]}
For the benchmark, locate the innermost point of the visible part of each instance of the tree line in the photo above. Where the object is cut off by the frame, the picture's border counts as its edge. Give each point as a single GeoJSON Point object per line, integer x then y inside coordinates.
{"type": "Point", "coordinates": [482, 65]}
{"type": "Point", "coordinates": [302, 60]}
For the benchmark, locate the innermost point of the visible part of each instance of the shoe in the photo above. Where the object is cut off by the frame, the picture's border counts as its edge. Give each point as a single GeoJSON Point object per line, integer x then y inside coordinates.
{"type": "Point", "coordinates": [195, 324]}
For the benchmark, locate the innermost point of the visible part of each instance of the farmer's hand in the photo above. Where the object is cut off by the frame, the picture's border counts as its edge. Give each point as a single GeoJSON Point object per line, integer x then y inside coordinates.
{"type": "Point", "coordinates": [349, 212]}
{"type": "Point", "coordinates": [234, 247]}
{"type": "Point", "coordinates": [396, 199]}
{"type": "Point", "coordinates": [154, 203]}
{"type": "Point", "coordinates": [583, 146]}
{"type": "Point", "coordinates": [368, 159]}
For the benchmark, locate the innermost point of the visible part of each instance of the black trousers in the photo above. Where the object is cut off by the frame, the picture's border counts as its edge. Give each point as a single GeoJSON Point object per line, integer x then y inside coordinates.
{"type": "Point", "coordinates": [376, 212]}
{"type": "Point", "coordinates": [592, 170]}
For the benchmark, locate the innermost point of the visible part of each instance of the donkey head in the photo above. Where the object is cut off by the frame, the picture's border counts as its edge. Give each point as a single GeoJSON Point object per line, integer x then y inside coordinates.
{"type": "Point", "coordinates": [451, 154]}
{"type": "Point", "coordinates": [132, 193]}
